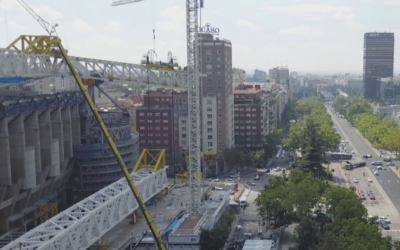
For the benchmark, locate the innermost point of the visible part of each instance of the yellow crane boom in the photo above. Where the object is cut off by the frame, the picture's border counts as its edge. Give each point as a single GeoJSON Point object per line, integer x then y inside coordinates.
{"type": "Point", "coordinates": [114, 148]}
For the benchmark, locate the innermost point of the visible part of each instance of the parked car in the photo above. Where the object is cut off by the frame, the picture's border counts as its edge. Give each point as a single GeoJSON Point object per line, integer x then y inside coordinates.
{"type": "Point", "coordinates": [369, 179]}
{"type": "Point", "coordinates": [360, 192]}
{"type": "Point", "coordinates": [256, 177]}
{"type": "Point", "coordinates": [369, 155]}
{"type": "Point", "coordinates": [277, 169]}
{"type": "Point", "coordinates": [252, 184]}
{"type": "Point", "coordinates": [376, 173]}
{"type": "Point", "coordinates": [365, 156]}
{"type": "Point", "coordinates": [355, 180]}
{"type": "Point", "coordinates": [369, 191]}
{"type": "Point", "coordinates": [384, 219]}
{"type": "Point", "coordinates": [362, 196]}
{"type": "Point", "coordinates": [384, 225]}
{"type": "Point", "coordinates": [371, 196]}
{"type": "Point", "coordinates": [389, 164]}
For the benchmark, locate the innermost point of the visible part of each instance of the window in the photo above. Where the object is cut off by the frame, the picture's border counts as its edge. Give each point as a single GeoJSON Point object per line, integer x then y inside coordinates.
{"type": "Point", "coordinates": [183, 135]}
{"type": "Point", "coordinates": [209, 116]}
{"type": "Point", "coordinates": [209, 123]}
{"type": "Point", "coordinates": [183, 128]}
{"type": "Point", "coordinates": [210, 143]}
{"type": "Point", "coordinates": [165, 134]}
{"type": "Point", "coordinates": [209, 94]}
{"type": "Point", "coordinates": [165, 114]}
{"type": "Point", "coordinates": [184, 101]}
{"type": "Point", "coordinates": [183, 122]}
{"type": "Point", "coordinates": [208, 52]}
{"type": "Point", "coordinates": [165, 121]}
{"type": "Point", "coordinates": [141, 114]}
{"type": "Point", "coordinates": [209, 130]}
{"type": "Point", "coordinates": [218, 59]}
{"type": "Point", "coordinates": [156, 99]}
{"type": "Point", "coordinates": [158, 141]}
{"type": "Point", "coordinates": [157, 121]}
{"type": "Point", "coordinates": [157, 114]}
{"type": "Point", "coordinates": [219, 81]}
{"type": "Point", "coordinates": [209, 109]}
{"type": "Point", "coordinates": [176, 100]}
{"type": "Point", "coordinates": [209, 137]}
{"type": "Point", "coordinates": [208, 59]}
{"type": "Point", "coordinates": [149, 114]}
{"type": "Point", "coordinates": [150, 134]}
{"type": "Point", "coordinates": [165, 141]}
{"type": "Point", "coordinates": [158, 128]}
{"type": "Point", "coordinates": [183, 142]}
{"type": "Point", "coordinates": [218, 66]}
{"type": "Point", "coordinates": [209, 88]}
{"type": "Point", "coordinates": [218, 52]}
{"type": "Point", "coordinates": [166, 128]}
{"type": "Point", "coordinates": [142, 128]}
{"type": "Point", "coordinates": [141, 121]}
{"type": "Point", "coordinates": [219, 88]}
{"type": "Point", "coordinates": [158, 134]}
{"type": "Point", "coordinates": [209, 66]}
{"type": "Point", "coordinates": [209, 80]}
{"type": "Point", "coordinates": [209, 102]}
{"type": "Point", "coordinates": [219, 73]}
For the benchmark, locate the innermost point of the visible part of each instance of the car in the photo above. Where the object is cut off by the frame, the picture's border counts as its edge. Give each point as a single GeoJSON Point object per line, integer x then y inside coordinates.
{"type": "Point", "coordinates": [360, 192]}
{"type": "Point", "coordinates": [256, 177]}
{"type": "Point", "coordinates": [233, 191]}
{"type": "Point", "coordinates": [376, 173]}
{"type": "Point", "coordinates": [229, 180]}
{"type": "Point", "coordinates": [369, 155]}
{"type": "Point", "coordinates": [362, 196]}
{"type": "Point", "coordinates": [384, 225]}
{"type": "Point", "coordinates": [277, 169]}
{"type": "Point", "coordinates": [389, 164]}
{"type": "Point", "coordinates": [365, 156]}
{"type": "Point", "coordinates": [384, 219]}
{"type": "Point", "coordinates": [252, 184]}
{"type": "Point", "coordinates": [355, 180]}
{"type": "Point", "coordinates": [267, 170]}
{"type": "Point", "coordinates": [379, 167]}
{"type": "Point", "coordinates": [369, 179]}
{"type": "Point", "coordinates": [369, 191]}
{"type": "Point", "coordinates": [371, 196]}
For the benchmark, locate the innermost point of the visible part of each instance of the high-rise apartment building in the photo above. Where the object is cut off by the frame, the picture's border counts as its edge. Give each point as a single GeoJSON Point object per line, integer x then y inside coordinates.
{"type": "Point", "coordinates": [217, 100]}
{"type": "Point", "coordinates": [162, 124]}
{"type": "Point", "coordinates": [378, 61]}
{"type": "Point", "coordinates": [259, 76]}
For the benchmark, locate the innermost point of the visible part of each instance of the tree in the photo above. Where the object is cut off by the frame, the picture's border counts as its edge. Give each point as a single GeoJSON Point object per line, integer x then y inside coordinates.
{"type": "Point", "coordinates": [306, 234]}
{"type": "Point", "coordinates": [272, 140]}
{"type": "Point", "coordinates": [234, 157]}
{"type": "Point", "coordinates": [345, 204]}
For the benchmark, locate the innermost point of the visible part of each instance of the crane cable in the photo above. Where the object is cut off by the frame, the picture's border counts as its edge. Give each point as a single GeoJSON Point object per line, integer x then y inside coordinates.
{"type": "Point", "coordinates": [154, 25]}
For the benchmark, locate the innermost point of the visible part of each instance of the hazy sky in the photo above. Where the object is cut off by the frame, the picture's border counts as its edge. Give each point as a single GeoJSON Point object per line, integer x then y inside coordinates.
{"type": "Point", "coordinates": [308, 36]}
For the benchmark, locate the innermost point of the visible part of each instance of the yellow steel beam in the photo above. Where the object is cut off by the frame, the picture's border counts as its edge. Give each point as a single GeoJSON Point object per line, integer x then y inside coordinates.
{"type": "Point", "coordinates": [36, 45]}
{"type": "Point", "coordinates": [113, 147]}
{"type": "Point", "coordinates": [150, 158]}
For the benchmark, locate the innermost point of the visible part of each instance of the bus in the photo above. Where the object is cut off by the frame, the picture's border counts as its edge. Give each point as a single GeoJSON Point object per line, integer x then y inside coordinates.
{"type": "Point", "coordinates": [335, 156]}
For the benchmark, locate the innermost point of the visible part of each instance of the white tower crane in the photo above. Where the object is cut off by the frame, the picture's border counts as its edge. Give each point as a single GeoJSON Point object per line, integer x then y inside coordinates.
{"type": "Point", "coordinates": [51, 29]}
{"type": "Point", "coordinates": [193, 99]}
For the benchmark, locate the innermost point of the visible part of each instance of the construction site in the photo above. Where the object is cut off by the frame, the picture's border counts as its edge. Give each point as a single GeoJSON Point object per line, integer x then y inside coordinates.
{"type": "Point", "coordinates": [73, 176]}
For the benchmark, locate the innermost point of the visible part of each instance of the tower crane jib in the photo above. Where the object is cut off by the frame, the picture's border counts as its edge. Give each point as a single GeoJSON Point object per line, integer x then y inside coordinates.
{"type": "Point", "coordinates": [51, 29]}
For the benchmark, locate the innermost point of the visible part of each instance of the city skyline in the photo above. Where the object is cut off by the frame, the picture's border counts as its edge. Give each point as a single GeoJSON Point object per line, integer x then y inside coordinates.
{"type": "Point", "coordinates": [311, 36]}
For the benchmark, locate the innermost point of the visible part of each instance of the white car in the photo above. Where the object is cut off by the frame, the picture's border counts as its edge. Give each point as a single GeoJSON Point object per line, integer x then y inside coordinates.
{"type": "Point", "coordinates": [376, 173]}
{"type": "Point", "coordinates": [277, 169]}
{"type": "Point", "coordinates": [369, 179]}
{"type": "Point", "coordinates": [384, 218]}
{"type": "Point", "coordinates": [355, 180]}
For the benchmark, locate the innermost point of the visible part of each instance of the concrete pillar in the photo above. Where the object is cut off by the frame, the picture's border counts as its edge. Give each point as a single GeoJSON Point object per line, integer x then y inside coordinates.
{"type": "Point", "coordinates": [46, 139]}
{"type": "Point", "coordinates": [55, 164]}
{"type": "Point", "coordinates": [32, 138]}
{"type": "Point", "coordinates": [67, 131]}
{"type": "Point", "coordinates": [5, 165]}
{"type": "Point", "coordinates": [17, 148]}
{"type": "Point", "coordinates": [57, 129]}
{"type": "Point", "coordinates": [30, 170]}
{"type": "Point", "coordinates": [75, 125]}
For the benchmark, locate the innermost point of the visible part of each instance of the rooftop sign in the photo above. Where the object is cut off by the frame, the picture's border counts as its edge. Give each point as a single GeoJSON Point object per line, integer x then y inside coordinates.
{"type": "Point", "coordinates": [208, 29]}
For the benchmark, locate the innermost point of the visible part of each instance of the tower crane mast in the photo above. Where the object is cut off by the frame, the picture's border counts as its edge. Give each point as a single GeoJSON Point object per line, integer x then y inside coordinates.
{"type": "Point", "coordinates": [51, 29]}
{"type": "Point", "coordinates": [194, 107]}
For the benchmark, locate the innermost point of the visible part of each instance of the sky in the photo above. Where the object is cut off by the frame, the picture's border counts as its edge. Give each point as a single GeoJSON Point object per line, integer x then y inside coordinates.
{"type": "Point", "coordinates": [308, 36]}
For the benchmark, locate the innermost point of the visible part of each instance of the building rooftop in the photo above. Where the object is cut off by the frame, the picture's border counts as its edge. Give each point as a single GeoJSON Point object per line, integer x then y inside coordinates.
{"type": "Point", "coordinates": [190, 222]}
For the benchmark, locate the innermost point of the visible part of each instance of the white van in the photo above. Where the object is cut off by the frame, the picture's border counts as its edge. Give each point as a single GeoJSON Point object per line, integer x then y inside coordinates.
{"type": "Point", "coordinates": [376, 163]}
{"type": "Point", "coordinates": [243, 201]}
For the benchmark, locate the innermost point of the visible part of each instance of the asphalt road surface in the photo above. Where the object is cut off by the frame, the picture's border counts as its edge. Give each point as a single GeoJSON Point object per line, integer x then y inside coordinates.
{"type": "Point", "coordinates": [385, 186]}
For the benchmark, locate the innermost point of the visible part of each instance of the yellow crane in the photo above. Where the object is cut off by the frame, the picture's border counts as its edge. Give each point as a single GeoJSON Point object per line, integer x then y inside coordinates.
{"type": "Point", "coordinates": [182, 178]}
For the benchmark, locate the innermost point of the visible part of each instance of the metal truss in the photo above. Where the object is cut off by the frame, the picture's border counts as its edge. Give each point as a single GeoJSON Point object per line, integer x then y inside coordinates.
{"type": "Point", "coordinates": [17, 64]}
{"type": "Point", "coordinates": [194, 107]}
{"type": "Point", "coordinates": [83, 224]}
{"type": "Point", "coordinates": [15, 105]}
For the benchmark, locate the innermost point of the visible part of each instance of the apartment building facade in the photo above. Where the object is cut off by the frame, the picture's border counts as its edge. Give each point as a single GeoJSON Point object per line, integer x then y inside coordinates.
{"type": "Point", "coordinates": [217, 101]}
